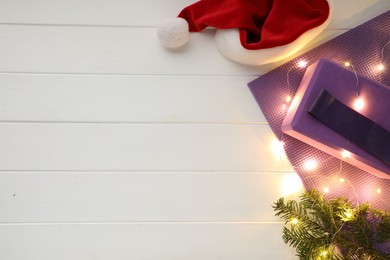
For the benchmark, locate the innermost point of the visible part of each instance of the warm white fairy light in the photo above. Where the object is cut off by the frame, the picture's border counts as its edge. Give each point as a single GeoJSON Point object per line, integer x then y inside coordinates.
{"type": "Point", "coordinates": [358, 104]}
{"type": "Point", "coordinates": [302, 64]}
{"type": "Point", "coordinates": [348, 214]}
{"type": "Point", "coordinates": [345, 154]}
{"type": "Point", "coordinates": [277, 148]}
{"type": "Point", "coordinates": [310, 165]}
{"type": "Point", "coordinates": [294, 221]}
{"type": "Point", "coordinates": [324, 253]}
{"type": "Point", "coordinates": [285, 104]}
{"type": "Point", "coordinates": [295, 101]}
{"type": "Point", "coordinates": [381, 66]}
{"type": "Point", "coordinates": [348, 64]}
{"type": "Point", "coordinates": [291, 184]}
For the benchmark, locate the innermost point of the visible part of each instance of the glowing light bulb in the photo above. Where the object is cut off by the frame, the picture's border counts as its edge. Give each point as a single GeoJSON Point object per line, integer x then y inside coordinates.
{"type": "Point", "coordinates": [380, 67]}
{"type": "Point", "coordinates": [358, 104]}
{"type": "Point", "coordinates": [277, 148]}
{"type": "Point", "coordinates": [347, 64]}
{"type": "Point", "coordinates": [326, 190]}
{"type": "Point", "coordinates": [348, 214]}
{"type": "Point", "coordinates": [341, 180]}
{"type": "Point", "coordinates": [310, 165]}
{"type": "Point", "coordinates": [288, 99]}
{"type": "Point", "coordinates": [291, 184]}
{"type": "Point", "coordinates": [378, 191]}
{"type": "Point", "coordinates": [302, 64]}
{"type": "Point", "coordinates": [345, 154]}
{"type": "Point", "coordinates": [324, 253]}
{"type": "Point", "coordinates": [295, 101]}
{"type": "Point", "coordinates": [294, 221]}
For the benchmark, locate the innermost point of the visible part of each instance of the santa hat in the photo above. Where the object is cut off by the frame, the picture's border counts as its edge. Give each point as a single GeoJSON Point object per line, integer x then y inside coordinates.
{"type": "Point", "coordinates": [261, 24]}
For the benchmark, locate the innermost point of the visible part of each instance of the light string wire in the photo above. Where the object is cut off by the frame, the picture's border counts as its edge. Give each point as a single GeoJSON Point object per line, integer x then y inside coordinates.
{"type": "Point", "coordinates": [340, 170]}
{"type": "Point", "coordinates": [381, 64]}
{"type": "Point", "coordinates": [302, 64]}
{"type": "Point", "coordinates": [348, 64]}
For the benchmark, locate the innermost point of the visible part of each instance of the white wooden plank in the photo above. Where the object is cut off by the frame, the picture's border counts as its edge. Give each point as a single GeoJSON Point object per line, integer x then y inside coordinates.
{"type": "Point", "coordinates": [112, 206]}
{"type": "Point", "coordinates": [86, 50]}
{"type": "Point", "coordinates": [348, 13]}
{"type": "Point", "coordinates": [141, 147]}
{"type": "Point", "coordinates": [91, 12]}
{"type": "Point", "coordinates": [101, 197]}
{"type": "Point", "coordinates": [81, 98]}
{"type": "Point", "coordinates": [351, 13]}
{"type": "Point", "coordinates": [110, 51]}
{"type": "Point", "coordinates": [141, 242]}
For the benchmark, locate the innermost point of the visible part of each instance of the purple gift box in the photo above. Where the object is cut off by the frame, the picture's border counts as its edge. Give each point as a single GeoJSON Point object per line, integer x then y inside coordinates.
{"type": "Point", "coordinates": [368, 97]}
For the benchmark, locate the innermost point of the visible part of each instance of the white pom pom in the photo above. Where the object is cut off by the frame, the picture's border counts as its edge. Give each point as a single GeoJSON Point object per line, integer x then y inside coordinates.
{"type": "Point", "coordinates": [173, 33]}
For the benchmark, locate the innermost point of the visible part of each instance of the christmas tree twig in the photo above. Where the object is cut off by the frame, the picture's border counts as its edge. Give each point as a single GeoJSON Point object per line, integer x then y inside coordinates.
{"type": "Point", "coordinates": [322, 228]}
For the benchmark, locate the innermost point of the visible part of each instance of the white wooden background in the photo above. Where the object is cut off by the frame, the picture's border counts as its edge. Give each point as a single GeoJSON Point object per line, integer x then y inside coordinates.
{"type": "Point", "coordinates": [112, 147]}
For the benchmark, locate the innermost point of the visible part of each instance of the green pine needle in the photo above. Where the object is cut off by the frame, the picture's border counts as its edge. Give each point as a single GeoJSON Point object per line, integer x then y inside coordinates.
{"type": "Point", "coordinates": [319, 228]}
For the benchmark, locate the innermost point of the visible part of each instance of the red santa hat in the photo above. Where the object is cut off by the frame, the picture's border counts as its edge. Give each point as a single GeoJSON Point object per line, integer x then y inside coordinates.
{"type": "Point", "coordinates": [261, 24]}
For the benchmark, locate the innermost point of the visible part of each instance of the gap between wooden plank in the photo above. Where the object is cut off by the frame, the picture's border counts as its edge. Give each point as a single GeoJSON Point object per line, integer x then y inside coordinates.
{"type": "Point", "coordinates": [138, 223]}
{"type": "Point", "coordinates": [48, 197]}
{"type": "Point", "coordinates": [147, 13]}
{"type": "Point", "coordinates": [124, 242]}
{"type": "Point", "coordinates": [227, 123]}
{"type": "Point", "coordinates": [127, 99]}
{"type": "Point", "coordinates": [139, 147]}
{"type": "Point", "coordinates": [79, 50]}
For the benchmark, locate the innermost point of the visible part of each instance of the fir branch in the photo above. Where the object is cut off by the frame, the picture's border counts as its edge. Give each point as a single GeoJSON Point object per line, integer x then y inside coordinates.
{"type": "Point", "coordinates": [333, 229]}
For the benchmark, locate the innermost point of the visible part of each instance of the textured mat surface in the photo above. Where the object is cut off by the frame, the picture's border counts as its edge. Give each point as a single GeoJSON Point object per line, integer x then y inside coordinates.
{"type": "Point", "coordinates": [365, 48]}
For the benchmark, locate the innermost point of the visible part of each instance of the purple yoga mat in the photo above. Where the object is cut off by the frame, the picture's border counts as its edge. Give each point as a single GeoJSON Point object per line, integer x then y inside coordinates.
{"type": "Point", "coordinates": [365, 48]}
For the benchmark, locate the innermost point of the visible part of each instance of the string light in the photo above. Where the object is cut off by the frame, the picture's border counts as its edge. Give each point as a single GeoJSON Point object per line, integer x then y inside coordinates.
{"type": "Point", "coordinates": [358, 104]}
{"type": "Point", "coordinates": [310, 165]}
{"type": "Point", "coordinates": [348, 64]}
{"type": "Point", "coordinates": [277, 148]}
{"type": "Point", "coordinates": [285, 104]}
{"type": "Point", "coordinates": [348, 214]}
{"type": "Point", "coordinates": [294, 221]}
{"type": "Point", "coordinates": [381, 66]}
{"type": "Point", "coordinates": [291, 184]}
{"type": "Point", "coordinates": [345, 154]}
{"type": "Point", "coordinates": [302, 64]}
